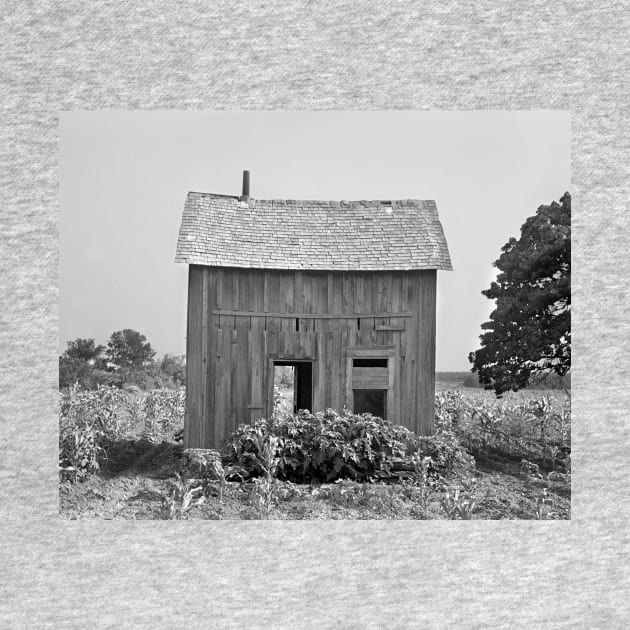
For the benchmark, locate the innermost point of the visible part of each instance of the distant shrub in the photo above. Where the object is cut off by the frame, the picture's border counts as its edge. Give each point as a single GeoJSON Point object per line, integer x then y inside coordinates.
{"type": "Point", "coordinates": [472, 380]}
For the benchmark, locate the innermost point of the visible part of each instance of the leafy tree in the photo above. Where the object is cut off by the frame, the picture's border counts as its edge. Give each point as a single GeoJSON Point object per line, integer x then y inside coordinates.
{"type": "Point", "coordinates": [173, 369]}
{"type": "Point", "coordinates": [81, 362]}
{"type": "Point", "coordinates": [73, 371]}
{"type": "Point", "coordinates": [129, 349]}
{"type": "Point", "coordinates": [128, 360]}
{"type": "Point", "coordinates": [84, 350]}
{"type": "Point", "coordinates": [529, 332]}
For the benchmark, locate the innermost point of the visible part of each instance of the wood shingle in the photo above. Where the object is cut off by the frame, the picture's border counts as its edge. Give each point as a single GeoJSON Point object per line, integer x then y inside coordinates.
{"type": "Point", "coordinates": [394, 235]}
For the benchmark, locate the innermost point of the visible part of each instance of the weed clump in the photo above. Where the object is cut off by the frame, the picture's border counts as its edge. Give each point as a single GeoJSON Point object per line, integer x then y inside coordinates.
{"type": "Point", "coordinates": [333, 445]}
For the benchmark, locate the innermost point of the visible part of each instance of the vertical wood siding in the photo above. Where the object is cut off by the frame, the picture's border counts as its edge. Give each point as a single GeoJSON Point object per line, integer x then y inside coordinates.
{"type": "Point", "coordinates": [230, 356]}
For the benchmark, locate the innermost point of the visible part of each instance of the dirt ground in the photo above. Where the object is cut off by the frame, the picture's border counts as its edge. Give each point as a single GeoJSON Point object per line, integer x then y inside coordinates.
{"type": "Point", "coordinates": [139, 477]}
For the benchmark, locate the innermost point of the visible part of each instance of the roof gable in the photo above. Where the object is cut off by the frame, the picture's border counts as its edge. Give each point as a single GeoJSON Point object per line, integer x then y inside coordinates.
{"type": "Point", "coordinates": [222, 231]}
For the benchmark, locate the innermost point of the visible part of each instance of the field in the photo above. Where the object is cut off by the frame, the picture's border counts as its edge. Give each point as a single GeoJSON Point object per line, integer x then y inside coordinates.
{"type": "Point", "coordinates": [121, 457]}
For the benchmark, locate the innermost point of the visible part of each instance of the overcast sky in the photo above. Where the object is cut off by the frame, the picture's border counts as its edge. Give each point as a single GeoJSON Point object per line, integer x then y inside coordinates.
{"type": "Point", "coordinates": [124, 177]}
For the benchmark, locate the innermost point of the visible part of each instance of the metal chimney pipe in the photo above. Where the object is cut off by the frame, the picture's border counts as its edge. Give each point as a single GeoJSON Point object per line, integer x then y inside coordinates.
{"type": "Point", "coordinates": [245, 195]}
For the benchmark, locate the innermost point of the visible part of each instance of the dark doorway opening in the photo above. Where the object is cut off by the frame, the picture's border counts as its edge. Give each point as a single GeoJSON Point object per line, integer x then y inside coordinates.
{"type": "Point", "coordinates": [372, 401]}
{"type": "Point", "coordinates": [293, 385]}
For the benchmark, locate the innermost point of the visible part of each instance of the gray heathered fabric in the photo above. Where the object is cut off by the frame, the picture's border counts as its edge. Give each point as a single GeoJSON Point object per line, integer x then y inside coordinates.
{"type": "Point", "coordinates": [314, 55]}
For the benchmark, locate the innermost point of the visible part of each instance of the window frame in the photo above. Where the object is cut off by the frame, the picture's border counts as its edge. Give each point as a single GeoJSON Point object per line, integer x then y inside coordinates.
{"type": "Point", "coordinates": [371, 352]}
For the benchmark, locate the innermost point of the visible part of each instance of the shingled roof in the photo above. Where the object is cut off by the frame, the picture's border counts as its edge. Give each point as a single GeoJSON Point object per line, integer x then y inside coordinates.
{"type": "Point", "coordinates": [222, 231]}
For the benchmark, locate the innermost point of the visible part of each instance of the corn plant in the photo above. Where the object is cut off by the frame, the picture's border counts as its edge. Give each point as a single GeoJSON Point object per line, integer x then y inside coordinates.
{"type": "Point", "coordinates": [90, 421]}
{"type": "Point", "coordinates": [220, 475]}
{"type": "Point", "coordinates": [262, 495]}
{"type": "Point", "coordinates": [522, 423]}
{"type": "Point", "coordinates": [182, 498]}
{"type": "Point", "coordinates": [263, 490]}
{"type": "Point", "coordinates": [459, 503]}
{"type": "Point", "coordinates": [540, 411]}
{"type": "Point", "coordinates": [426, 486]}
{"type": "Point", "coordinates": [88, 424]}
{"type": "Point", "coordinates": [163, 411]}
{"type": "Point", "coordinates": [543, 506]}
{"type": "Point", "coordinates": [553, 452]}
{"type": "Point", "coordinates": [79, 452]}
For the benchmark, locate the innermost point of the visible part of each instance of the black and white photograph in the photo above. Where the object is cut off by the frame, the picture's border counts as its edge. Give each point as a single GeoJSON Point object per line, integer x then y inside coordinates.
{"type": "Point", "coordinates": [315, 315]}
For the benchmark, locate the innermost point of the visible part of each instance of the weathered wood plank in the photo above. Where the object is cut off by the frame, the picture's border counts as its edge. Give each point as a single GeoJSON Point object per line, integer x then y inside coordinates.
{"type": "Point", "coordinates": [426, 361]}
{"type": "Point", "coordinates": [240, 377]}
{"type": "Point", "coordinates": [319, 293]}
{"type": "Point", "coordinates": [225, 291]}
{"type": "Point", "coordinates": [392, 398]}
{"type": "Point", "coordinates": [284, 314]}
{"type": "Point", "coordinates": [396, 303]}
{"type": "Point", "coordinates": [287, 301]}
{"type": "Point", "coordinates": [336, 353]}
{"type": "Point", "coordinates": [369, 310]}
{"type": "Point", "coordinates": [410, 418]}
{"type": "Point", "coordinates": [273, 336]}
{"type": "Point", "coordinates": [256, 300]}
{"type": "Point", "coordinates": [240, 357]}
{"type": "Point", "coordinates": [288, 347]}
{"type": "Point", "coordinates": [320, 326]}
{"type": "Point", "coordinates": [222, 368]}
{"type": "Point", "coordinates": [298, 292]}
{"type": "Point", "coordinates": [349, 399]}
{"type": "Point", "coordinates": [272, 303]}
{"type": "Point", "coordinates": [256, 354]}
{"type": "Point", "coordinates": [347, 293]}
{"type": "Point", "coordinates": [403, 402]}
{"type": "Point", "coordinates": [255, 346]}
{"type": "Point", "coordinates": [305, 304]}
{"type": "Point", "coordinates": [194, 411]}
{"type": "Point", "coordinates": [339, 376]}
{"type": "Point", "coordinates": [359, 297]}
{"type": "Point", "coordinates": [330, 287]}
{"type": "Point", "coordinates": [332, 366]}
{"type": "Point", "coordinates": [319, 372]}
{"type": "Point", "coordinates": [205, 417]}
{"type": "Point", "coordinates": [384, 305]}
{"type": "Point", "coordinates": [227, 381]}
{"type": "Point", "coordinates": [373, 351]}
{"type": "Point", "coordinates": [397, 327]}
{"type": "Point", "coordinates": [404, 293]}
{"type": "Point", "coordinates": [371, 372]}
{"type": "Point", "coordinates": [388, 285]}
{"type": "Point", "coordinates": [300, 289]}
{"type": "Point", "coordinates": [376, 383]}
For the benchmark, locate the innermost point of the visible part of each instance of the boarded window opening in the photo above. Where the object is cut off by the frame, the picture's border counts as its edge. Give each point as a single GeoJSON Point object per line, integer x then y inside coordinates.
{"type": "Point", "coordinates": [370, 375]}
{"type": "Point", "coordinates": [372, 401]}
{"type": "Point", "coordinates": [293, 386]}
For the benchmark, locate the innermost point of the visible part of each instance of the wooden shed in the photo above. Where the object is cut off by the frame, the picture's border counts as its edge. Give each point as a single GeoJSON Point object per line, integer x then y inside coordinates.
{"type": "Point", "coordinates": [342, 291]}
